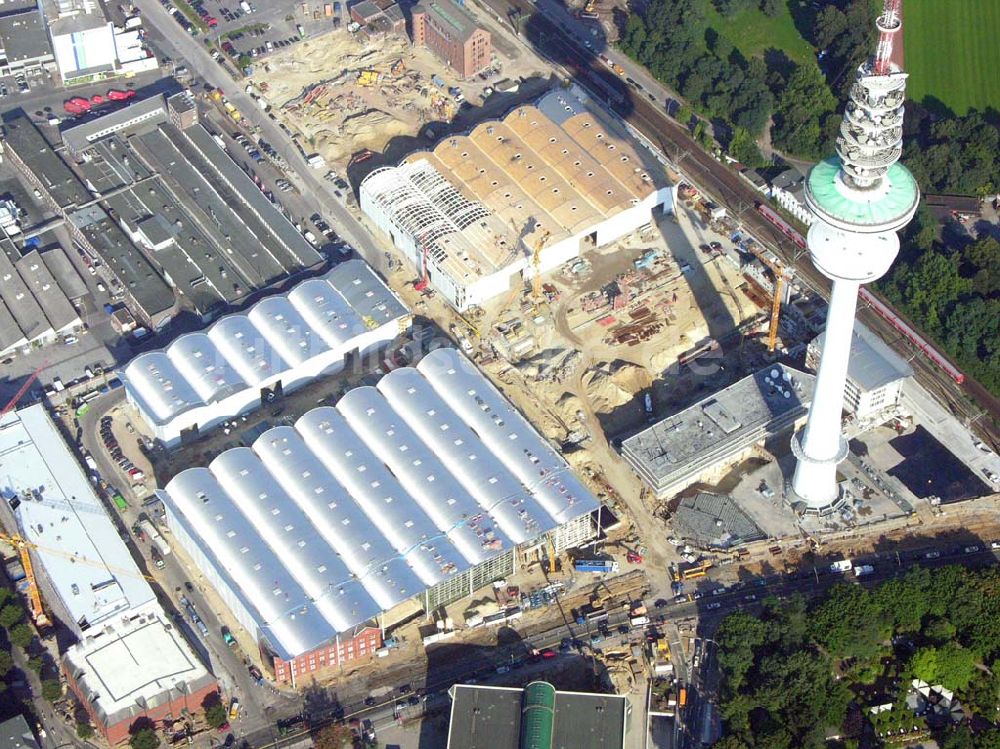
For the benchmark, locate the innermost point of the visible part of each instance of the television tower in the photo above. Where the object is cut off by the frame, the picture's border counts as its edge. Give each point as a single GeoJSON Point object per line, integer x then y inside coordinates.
{"type": "Point", "coordinates": [861, 198]}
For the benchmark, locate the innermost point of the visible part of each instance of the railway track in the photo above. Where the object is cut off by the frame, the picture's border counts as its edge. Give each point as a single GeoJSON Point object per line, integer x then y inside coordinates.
{"type": "Point", "coordinates": [967, 401]}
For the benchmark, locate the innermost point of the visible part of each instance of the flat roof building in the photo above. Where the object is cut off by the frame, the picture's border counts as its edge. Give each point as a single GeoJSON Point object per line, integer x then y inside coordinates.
{"type": "Point", "coordinates": [141, 667]}
{"type": "Point", "coordinates": [82, 38]}
{"type": "Point", "coordinates": [150, 110]}
{"type": "Point", "coordinates": [422, 487]}
{"type": "Point", "coordinates": [130, 660]}
{"type": "Point", "coordinates": [24, 38]}
{"type": "Point", "coordinates": [559, 175]}
{"type": "Point", "coordinates": [15, 733]}
{"type": "Point", "coordinates": [278, 344]}
{"type": "Point", "coordinates": [484, 717]}
{"type": "Point", "coordinates": [450, 31]}
{"type": "Point", "coordinates": [716, 432]}
{"type": "Point", "coordinates": [54, 506]}
{"type": "Point", "coordinates": [38, 162]}
{"type": "Point", "coordinates": [875, 373]}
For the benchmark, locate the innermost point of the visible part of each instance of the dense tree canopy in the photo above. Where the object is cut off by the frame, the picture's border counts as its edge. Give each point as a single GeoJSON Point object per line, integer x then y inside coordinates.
{"type": "Point", "coordinates": [791, 673]}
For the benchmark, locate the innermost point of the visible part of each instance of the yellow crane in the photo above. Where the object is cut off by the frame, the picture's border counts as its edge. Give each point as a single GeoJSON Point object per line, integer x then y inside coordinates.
{"type": "Point", "coordinates": [38, 615]}
{"type": "Point", "coordinates": [536, 264]}
{"type": "Point", "coordinates": [778, 271]}
{"type": "Point", "coordinates": [23, 546]}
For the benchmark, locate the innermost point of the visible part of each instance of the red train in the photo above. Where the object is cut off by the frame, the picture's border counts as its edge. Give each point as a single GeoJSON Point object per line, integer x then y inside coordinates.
{"type": "Point", "coordinates": [886, 313]}
{"type": "Point", "coordinates": [783, 226]}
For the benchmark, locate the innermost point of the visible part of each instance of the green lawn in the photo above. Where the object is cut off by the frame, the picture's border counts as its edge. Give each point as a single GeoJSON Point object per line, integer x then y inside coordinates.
{"type": "Point", "coordinates": [752, 32]}
{"type": "Point", "coordinates": [952, 52]}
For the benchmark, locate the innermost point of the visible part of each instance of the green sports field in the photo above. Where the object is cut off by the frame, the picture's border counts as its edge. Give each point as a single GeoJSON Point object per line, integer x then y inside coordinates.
{"type": "Point", "coordinates": [952, 52]}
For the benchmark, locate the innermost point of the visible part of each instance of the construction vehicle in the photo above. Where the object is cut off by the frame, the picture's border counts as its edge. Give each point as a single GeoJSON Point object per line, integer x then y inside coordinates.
{"type": "Point", "coordinates": [695, 570]}
{"type": "Point", "coordinates": [368, 78]}
{"type": "Point", "coordinates": [589, 11]}
{"type": "Point", "coordinates": [398, 67]}
{"type": "Point", "coordinates": [38, 615]}
{"type": "Point", "coordinates": [551, 555]}
{"type": "Point", "coordinates": [536, 264]}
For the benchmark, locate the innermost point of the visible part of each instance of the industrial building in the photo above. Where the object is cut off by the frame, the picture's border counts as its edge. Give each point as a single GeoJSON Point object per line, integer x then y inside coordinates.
{"type": "Point", "coordinates": [418, 491]}
{"type": "Point", "coordinates": [875, 374]}
{"type": "Point", "coordinates": [129, 660]}
{"type": "Point", "coordinates": [24, 38]}
{"type": "Point", "coordinates": [720, 430]}
{"type": "Point", "coordinates": [450, 31]}
{"type": "Point", "coordinates": [278, 344]}
{"type": "Point", "coordinates": [516, 196]}
{"type": "Point", "coordinates": [713, 521]}
{"type": "Point", "coordinates": [34, 310]}
{"type": "Point", "coordinates": [178, 224]}
{"type": "Point", "coordinates": [140, 667]}
{"type": "Point", "coordinates": [537, 716]}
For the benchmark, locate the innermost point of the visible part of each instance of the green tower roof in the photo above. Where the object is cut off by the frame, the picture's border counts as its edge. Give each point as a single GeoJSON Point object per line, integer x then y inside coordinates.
{"type": "Point", "coordinates": [884, 210]}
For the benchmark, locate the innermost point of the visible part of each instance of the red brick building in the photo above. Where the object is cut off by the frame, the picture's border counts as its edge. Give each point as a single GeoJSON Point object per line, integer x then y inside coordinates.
{"type": "Point", "coordinates": [139, 668]}
{"type": "Point", "coordinates": [361, 644]}
{"type": "Point", "coordinates": [450, 31]}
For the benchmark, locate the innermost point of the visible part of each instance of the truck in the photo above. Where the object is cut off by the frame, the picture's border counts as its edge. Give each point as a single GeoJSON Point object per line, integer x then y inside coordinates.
{"type": "Point", "coordinates": [245, 6]}
{"type": "Point", "coordinates": [863, 569]}
{"type": "Point", "coordinates": [154, 537]}
{"type": "Point", "coordinates": [842, 565]}
{"type": "Point", "coordinates": [91, 463]}
{"type": "Point", "coordinates": [682, 697]}
{"type": "Point", "coordinates": [601, 566]}
{"type": "Point", "coordinates": [118, 95]}
{"type": "Point", "coordinates": [437, 81]}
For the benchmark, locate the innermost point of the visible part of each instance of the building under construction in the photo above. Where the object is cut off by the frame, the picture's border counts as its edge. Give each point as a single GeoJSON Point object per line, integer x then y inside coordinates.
{"type": "Point", "coordinates": [516, 197]}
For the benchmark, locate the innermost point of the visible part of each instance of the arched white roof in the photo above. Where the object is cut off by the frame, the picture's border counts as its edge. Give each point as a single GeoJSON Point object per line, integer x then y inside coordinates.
{"type": "Point", "coordinates": [295, 541]}
{"type": "Point", "coordinates": [359, 506]}
{"type": "Point", "coordinates": [263, 582]}
{"type": "Point", "coordinates": [507, 433]}
{"type": "Point", "coordinates": [326, 311]}
{"type": "Point", "coordinates": [163, 391]}
{"type": "Point", "coordinates": [202, 364]}
{"type": "Point", "coordinates": [286, 331]}
{"type": "Point", "coordinates": [247, 348]}
{"type": "Point", "coordinates": [425, 477]}
{"type": "Point", "coordinates": [278, 335]}
{"type": "Point", "coordinates": [405, 524]}
{"type": "Point", "coordinates": [341, 523]}
{"type": "Point", "coordinates": [479, 470]}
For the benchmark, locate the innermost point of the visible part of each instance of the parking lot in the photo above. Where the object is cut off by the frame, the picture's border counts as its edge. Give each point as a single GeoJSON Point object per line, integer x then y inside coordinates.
{"type": "Point", "coordinates": [246, 32]}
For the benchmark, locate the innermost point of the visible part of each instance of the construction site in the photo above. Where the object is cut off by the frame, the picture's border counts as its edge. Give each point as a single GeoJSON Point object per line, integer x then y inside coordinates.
{"type": "Point", "coordinates": [346, 95]}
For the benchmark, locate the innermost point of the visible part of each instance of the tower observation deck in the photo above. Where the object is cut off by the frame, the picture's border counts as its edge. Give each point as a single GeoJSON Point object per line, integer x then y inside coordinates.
{"type": "Point", "coordinates": [861, 198]}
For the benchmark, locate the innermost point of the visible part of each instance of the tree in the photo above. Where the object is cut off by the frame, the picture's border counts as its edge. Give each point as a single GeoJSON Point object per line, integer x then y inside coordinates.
{"type": "Point", "coordinates": [52, 690]}
{"type": "Point", "coordinates": [6, 663]}
{"type": "Point", "coordinates": [144, 738]}
{"type": "Point", "coordinates": [950, 665]}
{"type": "Point", "coordinates": [982, 696]}
{"type": "Point", "coordinates": [216, 715]}
{"type": "Point", "coordinates": [21, 636]}
{"type": "Point", "coordinates": [84, 730]}
{"type": "Point", "coordinates": [11, 615]}
{"type": "Point", "coordinates": [744, 149]}
{"type": "Point", "coordinates": [939, 631]}
{"type": "Point", "coordinates": [803, 106]}
{"type": "Point", "coordinates": [333, 736]}
{"type": "Point", "coordinates": [771, 8]}
{"type": "Point", "coordinates": [37, 664]}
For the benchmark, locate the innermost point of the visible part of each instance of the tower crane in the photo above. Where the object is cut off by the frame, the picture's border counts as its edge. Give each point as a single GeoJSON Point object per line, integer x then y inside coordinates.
{"type": "Point", "coordinates": [24, 389]}
{"type": "Point", "coordinates": [536, 264]}
{"type": "Point", "coordinates": [23, 546]}
{"type": "Point", "coordinates": [780, 277]}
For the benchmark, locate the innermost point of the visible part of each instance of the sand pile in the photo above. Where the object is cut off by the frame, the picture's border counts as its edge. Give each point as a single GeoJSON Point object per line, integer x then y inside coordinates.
{"type": "Point", "coordinates": [613, 384]}
{"type": "Point", "coordinates": [551, 365]}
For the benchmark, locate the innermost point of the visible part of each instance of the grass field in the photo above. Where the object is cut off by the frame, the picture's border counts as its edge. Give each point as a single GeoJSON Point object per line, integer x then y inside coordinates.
{"type": "Point", "coordinates": [752, 32]}
{"type": "Point", "coordinates": [952, 52]}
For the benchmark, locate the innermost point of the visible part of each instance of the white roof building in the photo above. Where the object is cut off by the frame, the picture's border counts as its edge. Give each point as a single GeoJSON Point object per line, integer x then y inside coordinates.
{"type": "Point", "coordinates": [362, 506]}
{"type": "Point", "coordinates": [204, 378]}
{"type": "Point", "coordinates": [85, 570]}
{"type": "Point", "coordinates": [137, 667]}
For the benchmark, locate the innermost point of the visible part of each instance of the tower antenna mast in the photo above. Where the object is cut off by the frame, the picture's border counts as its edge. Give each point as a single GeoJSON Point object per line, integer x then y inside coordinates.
{"type": "Point", "coordinates": [888, 24]}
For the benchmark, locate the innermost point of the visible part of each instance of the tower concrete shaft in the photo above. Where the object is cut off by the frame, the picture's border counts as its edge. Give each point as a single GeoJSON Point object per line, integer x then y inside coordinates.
{"type": "Point", "coordinates": [861, 198]}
